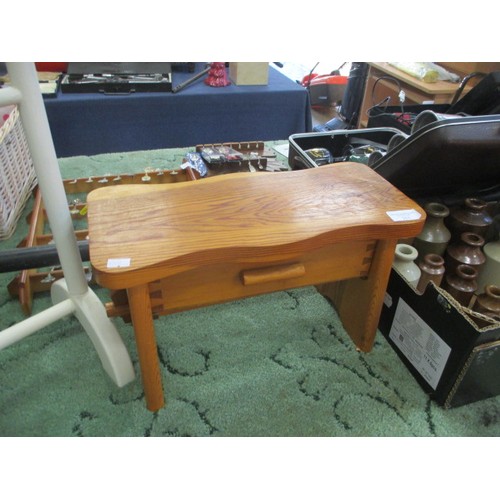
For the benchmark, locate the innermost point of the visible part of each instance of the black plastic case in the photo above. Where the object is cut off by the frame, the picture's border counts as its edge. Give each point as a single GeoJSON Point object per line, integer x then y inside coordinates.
{"type": "Point", "coordinates": [336, 142]}
{"type": "Point", "coordinates": [449, 160]}
{"type": "Point", "coordinates": [456, 157]}
{"type": "Point", "coordinates": [117, 78]}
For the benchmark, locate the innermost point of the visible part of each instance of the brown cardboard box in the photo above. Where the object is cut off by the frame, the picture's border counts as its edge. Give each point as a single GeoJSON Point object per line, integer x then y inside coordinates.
{"type": "Point", "coordinates": [249, 73]}
{"type": "Point", "coordinates": [454, 361]}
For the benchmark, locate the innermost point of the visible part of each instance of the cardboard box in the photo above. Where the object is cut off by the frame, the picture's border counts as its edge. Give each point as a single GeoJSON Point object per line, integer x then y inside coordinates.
{"type": "Point", "coordinates": [453, 359]}
{"type": "Point", "coordinates": [249, 73]}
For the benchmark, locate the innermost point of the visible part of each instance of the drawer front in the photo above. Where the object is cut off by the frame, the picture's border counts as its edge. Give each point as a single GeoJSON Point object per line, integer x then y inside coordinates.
{"type": "Point", "coordinates": [232, 281]}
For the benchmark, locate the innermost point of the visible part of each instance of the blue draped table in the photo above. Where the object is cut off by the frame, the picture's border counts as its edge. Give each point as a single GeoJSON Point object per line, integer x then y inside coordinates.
{"type": "Point", "coordinates": [89, 124]}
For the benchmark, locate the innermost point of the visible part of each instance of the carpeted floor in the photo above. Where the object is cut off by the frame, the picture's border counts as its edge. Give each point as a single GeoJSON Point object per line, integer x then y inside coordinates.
{"type": "Point", "coordinates": [273, 365]}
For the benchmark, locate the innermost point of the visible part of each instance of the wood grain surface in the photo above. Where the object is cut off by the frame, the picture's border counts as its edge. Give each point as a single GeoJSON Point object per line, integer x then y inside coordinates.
{"type": "Point", "coordinates": [165, 229]}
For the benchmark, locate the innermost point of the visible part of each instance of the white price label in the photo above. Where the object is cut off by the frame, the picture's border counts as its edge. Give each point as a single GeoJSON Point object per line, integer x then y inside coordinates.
{"type": "Point", "coordinates": [114, 263]}
{"type": "Point", "coordinates": [400, 215]}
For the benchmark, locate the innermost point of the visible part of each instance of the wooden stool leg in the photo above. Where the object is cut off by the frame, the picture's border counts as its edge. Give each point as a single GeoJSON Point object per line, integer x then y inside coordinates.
{"type": "Point", "coordinates": [142, 320]}
{"type": "Point", "coordinates": [359, 301]}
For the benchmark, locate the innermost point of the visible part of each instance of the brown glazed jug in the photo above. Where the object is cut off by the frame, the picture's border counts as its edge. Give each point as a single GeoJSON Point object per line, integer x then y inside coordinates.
{"type": "Point", "coordinates": [461, 284]}
{"type": "Point", "coordinates": [468, 250]}
{"type": "Point", "coordinates": [432, 269]}
{"type": "Point", "coordinates": [472, 217]}
{"type": "Point", "coordinates": [434, 236]}
{"type": "Point", "coordinates": [488, 302]}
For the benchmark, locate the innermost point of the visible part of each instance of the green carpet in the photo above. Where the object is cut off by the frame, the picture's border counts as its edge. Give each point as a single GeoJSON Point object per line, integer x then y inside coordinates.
{"type": "Point", "coordinates": [273, 365]}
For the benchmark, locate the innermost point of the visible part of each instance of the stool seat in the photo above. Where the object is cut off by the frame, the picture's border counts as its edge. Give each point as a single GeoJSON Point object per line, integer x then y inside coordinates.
{"type": "Point", "coordinates": [136, 229]}
{"type": "Point", "coordinates": [174, 247]}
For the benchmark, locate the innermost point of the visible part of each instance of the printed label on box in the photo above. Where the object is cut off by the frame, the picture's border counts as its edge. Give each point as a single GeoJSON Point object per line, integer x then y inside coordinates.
{"type": "Point", "coordinates": [423, 347]}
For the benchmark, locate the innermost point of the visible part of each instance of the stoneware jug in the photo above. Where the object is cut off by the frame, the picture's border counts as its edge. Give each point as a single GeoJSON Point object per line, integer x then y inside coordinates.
{"type": "Point", "coordinates": [432, 269]}
{"type": "Point", "coordinates": [434, 236]}
{"type": "Point", "coordinates": [490, 272]}
{"type": "Point", "coordinates": [404, 263]}
{"type": "Point", "coordinates": [472, 217]}
{"type": "Point", "coordinates": [461, 284]}
{"type": "Point", "coordinates": [468, 250]}
{"type": "Point", "coordinates": [488, 302]}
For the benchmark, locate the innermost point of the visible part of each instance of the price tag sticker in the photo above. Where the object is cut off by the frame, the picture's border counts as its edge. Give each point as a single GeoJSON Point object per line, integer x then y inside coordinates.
{"type": "Point", "coordinates": [115, 263]}
{"type": "Point", "coordinates": [401, 215]}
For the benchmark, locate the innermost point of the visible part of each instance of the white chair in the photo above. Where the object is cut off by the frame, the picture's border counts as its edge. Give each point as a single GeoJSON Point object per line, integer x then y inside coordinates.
{"type": "Point", "coordinates": [72, 294]}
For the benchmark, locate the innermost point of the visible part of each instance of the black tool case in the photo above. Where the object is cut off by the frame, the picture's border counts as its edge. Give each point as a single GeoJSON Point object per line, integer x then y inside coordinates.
{"type": "Point", "coordinates": [339, 143]}
{"type": "Point", "coordinates": [449, 160]}
{"type": "Point", "coordinates": [117, 77]}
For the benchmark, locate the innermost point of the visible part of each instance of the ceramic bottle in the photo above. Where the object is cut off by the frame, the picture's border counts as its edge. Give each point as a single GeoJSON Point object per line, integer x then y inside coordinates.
{"type": "Point", "coordinates": [488, 302]}
{"type": "Point", "coordinates": [432, 269]}
{"type": "Point", "coordinates": [468, 250]}
{"type": "Point", "coordinates": [472, 217]}
{"type": "Point", "coordinates": [490, 272]}
{"type": "Point", "coordinates": [404, 263]}
{"type": "Point", "coordinates": [435, 236]}
{"type": "Point", "coordinates": [461, 284]}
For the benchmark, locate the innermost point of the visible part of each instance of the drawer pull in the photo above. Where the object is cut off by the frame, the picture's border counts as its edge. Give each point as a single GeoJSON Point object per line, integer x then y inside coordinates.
{"type": "Point", "coordinates": [274, 273]}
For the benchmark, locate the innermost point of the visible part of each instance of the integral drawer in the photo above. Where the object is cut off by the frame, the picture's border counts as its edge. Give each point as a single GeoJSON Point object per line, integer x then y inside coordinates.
{"type": "Point", "coordinates": [231, 281]}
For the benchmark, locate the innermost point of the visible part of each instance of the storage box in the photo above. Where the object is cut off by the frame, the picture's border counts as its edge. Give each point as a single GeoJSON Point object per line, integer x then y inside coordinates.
{"type": "Point", "coordinates": [18, 176]}
{"type": "Point", "coordinates": [117, 77]}
{"type": "Point", "coordinates": [454, 360]}
{"type": "Point", "coordinates": [249, 73]}
{"type": "Point", "coordinates": [340, 144]}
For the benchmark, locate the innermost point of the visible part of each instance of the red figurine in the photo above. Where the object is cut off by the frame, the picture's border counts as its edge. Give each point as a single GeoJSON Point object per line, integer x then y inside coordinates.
{"type": "Point", "coordinates": [217, 76]}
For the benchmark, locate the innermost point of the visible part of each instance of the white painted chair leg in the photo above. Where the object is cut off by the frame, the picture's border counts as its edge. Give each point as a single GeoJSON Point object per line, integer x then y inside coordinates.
{"type": "Point", "coordinates": [109, 346]}
{"type": "Point", "coordinates": [31, 325]}
{"type": "Point", "coordinates": [71, 294]}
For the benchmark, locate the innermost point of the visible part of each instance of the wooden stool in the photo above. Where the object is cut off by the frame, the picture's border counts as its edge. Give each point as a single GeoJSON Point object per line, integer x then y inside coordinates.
{"type": "Point", "coordinates": [181, 246]}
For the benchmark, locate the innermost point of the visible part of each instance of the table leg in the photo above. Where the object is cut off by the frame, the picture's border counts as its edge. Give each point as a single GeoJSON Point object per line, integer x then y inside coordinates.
{"type": "Point", "coordinates": [359, 301]}
{"type": "Point", "coordinates": [142, 320]}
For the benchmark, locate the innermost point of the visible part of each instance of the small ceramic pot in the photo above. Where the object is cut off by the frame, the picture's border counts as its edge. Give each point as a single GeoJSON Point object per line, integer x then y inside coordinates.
{"type": "Point", "coordinates": [461, 284]}
{"type": "Point", "coordinates": [404, 263]}
{"type": "Point", "coordinates": [432, 269]}
{"type": "Point", "coordinates": [490, 272]}
{"type": "Point", "coordinates": [471, 217]}
{"type": "Point", "coordinates": [435, 236]}
{"type": "Point", "coordinates": [468, 250]}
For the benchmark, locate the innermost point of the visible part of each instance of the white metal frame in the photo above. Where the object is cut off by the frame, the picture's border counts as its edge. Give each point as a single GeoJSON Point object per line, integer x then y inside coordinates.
{"type": "Point", "coordinates": [72, 294]}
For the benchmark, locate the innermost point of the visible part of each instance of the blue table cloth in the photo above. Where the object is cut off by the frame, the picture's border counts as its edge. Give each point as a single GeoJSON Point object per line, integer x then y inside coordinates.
{"type": "Point", "coordinates": [89, 124]}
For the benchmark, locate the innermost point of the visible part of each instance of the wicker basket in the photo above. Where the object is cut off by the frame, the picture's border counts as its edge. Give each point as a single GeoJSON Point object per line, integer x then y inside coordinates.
{"type": "Point", "coordinates": [17, 175]}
